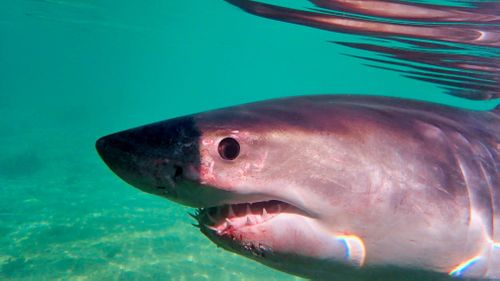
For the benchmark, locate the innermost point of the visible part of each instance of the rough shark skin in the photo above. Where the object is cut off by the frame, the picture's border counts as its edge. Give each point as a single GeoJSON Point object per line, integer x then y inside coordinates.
{"type": "Point", "coordinates": [335, 187]}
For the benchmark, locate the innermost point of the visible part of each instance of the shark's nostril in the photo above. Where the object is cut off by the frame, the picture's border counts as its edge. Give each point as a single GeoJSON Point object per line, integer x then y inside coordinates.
{"type": "Point", "coordinates": [178, 172]}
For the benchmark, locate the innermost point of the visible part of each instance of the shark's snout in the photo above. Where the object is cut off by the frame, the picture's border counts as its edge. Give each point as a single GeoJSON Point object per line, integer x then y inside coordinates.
{"type": "Point", "coordinates": [153, 158]}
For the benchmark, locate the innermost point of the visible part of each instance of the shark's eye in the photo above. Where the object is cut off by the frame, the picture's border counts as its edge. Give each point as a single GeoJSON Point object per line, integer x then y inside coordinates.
{"type": "Point", "coordinates": [229, 149]}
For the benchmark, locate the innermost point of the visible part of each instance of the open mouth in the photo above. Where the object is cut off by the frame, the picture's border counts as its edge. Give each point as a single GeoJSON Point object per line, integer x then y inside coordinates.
{"type": "Point", "coordinates": [226, 219]}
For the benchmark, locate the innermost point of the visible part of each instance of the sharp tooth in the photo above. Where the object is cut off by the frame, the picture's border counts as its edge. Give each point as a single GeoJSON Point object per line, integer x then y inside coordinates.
{"type": "Point", "coordinates": [264, 212]}
{"type": "Point", "coordinates": [211, 227]}
{"type": "Point", "coordinates": [229, 222]}
{"type": "Point", "coordinates": [258, 219]}
{"type": "Point", "coordinates": [230, 212]}
{"type": "Point", "coordinates": [248, 209]}
{"type": "Point", "coordinates": [279, 208]}
{"type": "Point", "coordinates": [249, 222]}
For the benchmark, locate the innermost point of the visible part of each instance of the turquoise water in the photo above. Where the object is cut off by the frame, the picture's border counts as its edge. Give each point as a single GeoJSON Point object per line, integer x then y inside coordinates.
{"type": "Point", "coordinates": [72, 71]}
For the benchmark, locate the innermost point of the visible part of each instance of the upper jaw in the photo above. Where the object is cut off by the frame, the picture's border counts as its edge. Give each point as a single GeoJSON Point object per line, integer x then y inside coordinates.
{"type": "Point", "coordinates": [224, 218]}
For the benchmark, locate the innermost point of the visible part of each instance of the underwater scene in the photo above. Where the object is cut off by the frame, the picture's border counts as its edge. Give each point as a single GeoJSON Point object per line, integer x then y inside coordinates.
{"type": "Point", "coordinates": [73, 71]}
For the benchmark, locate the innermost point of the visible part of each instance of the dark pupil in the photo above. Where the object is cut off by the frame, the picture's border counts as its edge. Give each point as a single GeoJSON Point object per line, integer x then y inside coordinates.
{"type": "Point", "coordinates": [229, 148]}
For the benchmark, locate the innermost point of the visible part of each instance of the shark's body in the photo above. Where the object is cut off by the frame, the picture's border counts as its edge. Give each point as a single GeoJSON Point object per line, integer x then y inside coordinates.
{"type": "Point", "coordinates": [347, 187]}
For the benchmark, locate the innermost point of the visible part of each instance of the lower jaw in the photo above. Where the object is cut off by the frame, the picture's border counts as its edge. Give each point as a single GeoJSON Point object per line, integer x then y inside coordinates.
{"type": "Point", "coordinates": [235, 241]}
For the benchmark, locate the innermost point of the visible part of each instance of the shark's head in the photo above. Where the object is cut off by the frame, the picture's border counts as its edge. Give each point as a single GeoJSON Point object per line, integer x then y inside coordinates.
{"type": "Point", "coordinates": [296, 183]}
{"type": "Point", "coordinates": [242, 168]}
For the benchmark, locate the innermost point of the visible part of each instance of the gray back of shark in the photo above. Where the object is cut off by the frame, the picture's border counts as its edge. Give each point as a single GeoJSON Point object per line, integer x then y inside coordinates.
{"type": "Point", "coordinates": [333, 187]}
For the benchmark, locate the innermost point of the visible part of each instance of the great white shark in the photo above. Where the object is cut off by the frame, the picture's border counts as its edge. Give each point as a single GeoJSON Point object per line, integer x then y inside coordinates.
{"type": "Point", "coordinates": [333, 187]}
